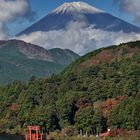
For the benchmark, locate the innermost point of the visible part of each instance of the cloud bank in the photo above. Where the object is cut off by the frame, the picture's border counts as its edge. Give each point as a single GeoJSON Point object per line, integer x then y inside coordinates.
{"type": "Point", "coordinates": [79, 38]}
{"type": "Point", "coordinates": [131, 7]}
{"type": "Point", "coordinates": [11, 11]}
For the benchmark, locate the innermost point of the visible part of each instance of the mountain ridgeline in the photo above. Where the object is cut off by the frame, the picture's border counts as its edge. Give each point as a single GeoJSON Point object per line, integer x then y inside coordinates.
{"type": "Point", "coordinates": [97, 91]}
{"type": "Point", "coordinates": [20, 61]}
{"type": "Point", "coordinates": [80, 12]}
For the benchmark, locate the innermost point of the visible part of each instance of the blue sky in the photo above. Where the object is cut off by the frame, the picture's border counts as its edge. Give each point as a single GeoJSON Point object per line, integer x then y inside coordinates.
{"type": "Point", "coordinates": [43, 7]}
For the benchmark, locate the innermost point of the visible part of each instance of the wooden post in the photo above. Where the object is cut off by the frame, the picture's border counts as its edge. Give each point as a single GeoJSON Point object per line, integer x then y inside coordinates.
{"type": "Point", "coordinates": [41, 136]}
{"type": "Point", "coordinates": [30, 133]}
{"type": "Point", "coordinates": [36, 133]}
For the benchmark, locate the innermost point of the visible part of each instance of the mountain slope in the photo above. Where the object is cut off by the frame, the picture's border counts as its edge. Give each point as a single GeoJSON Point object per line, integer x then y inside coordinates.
{"type": "Point", "coordinates": [101, 89]}
{"type": "Point", "coordinates": [63, 57]}
{"type": "Point", "coordinates": [112, 54]}
{"type": "Point", "coordinates": [21, 61]}
{"type": "Point", "coordinates": [80, 12]}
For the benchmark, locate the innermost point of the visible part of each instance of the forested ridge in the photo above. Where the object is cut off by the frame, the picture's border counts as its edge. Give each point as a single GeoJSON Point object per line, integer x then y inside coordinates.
{"type": "Point", "coordinates": [20, 61]}
{"type": "Point", "coordinates": [99, 90]}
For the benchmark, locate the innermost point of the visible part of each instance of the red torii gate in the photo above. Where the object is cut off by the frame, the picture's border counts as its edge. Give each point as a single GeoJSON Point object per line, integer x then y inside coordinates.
{"type": "Point", "coordinates": [33, 133]}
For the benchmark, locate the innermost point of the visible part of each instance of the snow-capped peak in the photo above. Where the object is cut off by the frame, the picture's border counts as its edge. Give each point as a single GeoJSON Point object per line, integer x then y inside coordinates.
{"type": "Point", "coordinates": [76, 7]}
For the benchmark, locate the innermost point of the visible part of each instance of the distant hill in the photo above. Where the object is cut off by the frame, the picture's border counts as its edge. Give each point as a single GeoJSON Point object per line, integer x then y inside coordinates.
{"type": "Point", "coordinates": [98, 91]}
{"type": "Point", "coordinates": [20, 61]}
{"type": "Point", "coordinates": [63, 56]}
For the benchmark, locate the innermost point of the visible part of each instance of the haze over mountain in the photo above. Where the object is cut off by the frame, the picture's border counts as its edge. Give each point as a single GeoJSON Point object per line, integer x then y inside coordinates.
{"type": "Point", "coordinates": [20, 61]}
{"type": "Point", "coordinates": [77, 26]}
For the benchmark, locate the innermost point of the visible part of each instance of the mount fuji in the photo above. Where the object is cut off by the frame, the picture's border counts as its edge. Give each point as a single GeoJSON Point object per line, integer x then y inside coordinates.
{"type": "Point", "coordinates": [80, 12]}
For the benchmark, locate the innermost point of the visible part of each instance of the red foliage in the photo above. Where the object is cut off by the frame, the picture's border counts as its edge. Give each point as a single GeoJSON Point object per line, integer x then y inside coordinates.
{"type": "Point", "coordinates": [13, 107]}
{"type": "Point", "coordinates": [84, 102]}
{"type": "Point", "coordinates": [107, 56]}
{"type": "Point", "coordinates": [107, 105]}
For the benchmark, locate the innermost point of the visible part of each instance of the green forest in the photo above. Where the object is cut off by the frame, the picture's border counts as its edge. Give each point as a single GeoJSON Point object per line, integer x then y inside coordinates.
{"type": "Point", "coordinates": [15, 65]}
{"type": "Point", "coordinates": [98, 91]}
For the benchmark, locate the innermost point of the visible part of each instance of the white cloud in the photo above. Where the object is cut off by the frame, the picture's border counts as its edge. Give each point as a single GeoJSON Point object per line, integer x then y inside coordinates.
{"type": "Point", "coordinates": [79, 38]}
{"type": "Point", "coordinates": [131, 7]}
{"type": "Point", "coordinates": [12, 10]}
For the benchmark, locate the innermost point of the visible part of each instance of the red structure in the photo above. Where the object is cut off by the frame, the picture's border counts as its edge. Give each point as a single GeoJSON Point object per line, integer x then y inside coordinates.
{"type": "Point", "coordinates": [34, 133]}
{"type": "Point", "coordinates": [114, 133]}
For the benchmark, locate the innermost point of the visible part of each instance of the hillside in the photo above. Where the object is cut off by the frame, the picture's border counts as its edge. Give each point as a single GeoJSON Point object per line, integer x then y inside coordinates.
{"type": "Point", "coordinates": [20, 61]}
{"type": "Point", "coordinates": [112, 54]}
{"type": "Point", "coordinates": [97, 91]}
{"type": "Point", "coordinates": [63, 56]}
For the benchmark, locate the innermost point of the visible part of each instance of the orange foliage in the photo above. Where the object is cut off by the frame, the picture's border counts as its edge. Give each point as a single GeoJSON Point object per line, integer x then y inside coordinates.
{"type": "Point", "coordinates": [107, 56]}
{"type": "Point", "coordinates": [107, 105]}
{"type": "Point", "coordinates": [84, 102]}
{"type": "Point", "coordinates": [13, 107]}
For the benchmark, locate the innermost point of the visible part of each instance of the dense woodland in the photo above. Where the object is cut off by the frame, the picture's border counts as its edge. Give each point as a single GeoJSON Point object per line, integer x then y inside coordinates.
{"type": "Point", "coordinates": [99, 90]}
